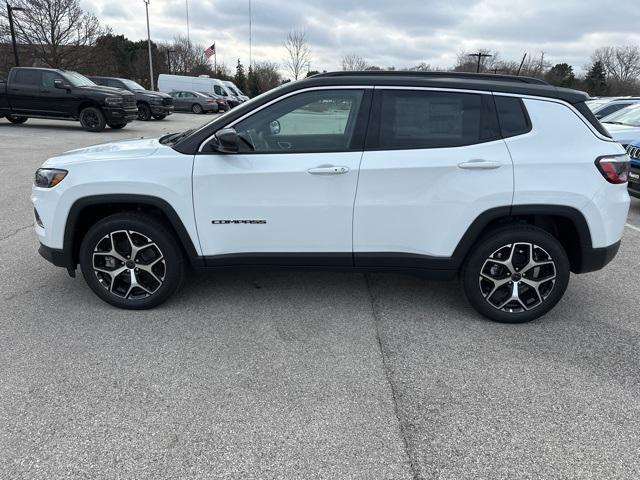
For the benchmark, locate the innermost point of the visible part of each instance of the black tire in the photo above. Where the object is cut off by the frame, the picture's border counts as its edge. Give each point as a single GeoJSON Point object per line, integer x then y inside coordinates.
{"type": "Point", "coordinates": [160, 117]}
{"type": "Point", "coordinates": [92, 119]}
{"type": "Point", "coordinates": [17, 119]}
{"type": "Point", "coordinates": [489, 282]}
{"type": "Point", "coordinates": [117, 233]}
{"type": "Point", "coordinates": [144, 112]}
{"type": "Point", "coordinates": [197, 108]}
{"type": "Point", "coordinates": [117, 126]}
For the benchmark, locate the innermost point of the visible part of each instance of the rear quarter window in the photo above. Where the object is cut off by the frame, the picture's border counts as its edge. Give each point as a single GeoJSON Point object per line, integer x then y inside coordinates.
{"type": "Point", "coordinates": [512, 116]}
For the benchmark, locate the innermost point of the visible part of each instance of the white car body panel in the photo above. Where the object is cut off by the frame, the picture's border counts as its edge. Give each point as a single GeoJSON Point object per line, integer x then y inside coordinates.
{"type": "Point", "coordinates": [549, 170]}
{"type": "Point", "coordinates": [623, 134]}
{"type": "Point", "coordinates": [139, 167]}
{"type": "Point", "coordinates": [303, 212]}
{"type": "Point", "coordinates": [421, 202]}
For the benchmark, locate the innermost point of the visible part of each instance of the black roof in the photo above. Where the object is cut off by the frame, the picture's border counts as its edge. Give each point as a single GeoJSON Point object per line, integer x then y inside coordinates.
{"type": "Point", "coordinates": [458, 80]}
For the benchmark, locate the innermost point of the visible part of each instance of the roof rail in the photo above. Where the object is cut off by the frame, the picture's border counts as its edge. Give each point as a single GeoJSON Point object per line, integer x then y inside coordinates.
{"type": "Point", "coordinates": [450, 75]}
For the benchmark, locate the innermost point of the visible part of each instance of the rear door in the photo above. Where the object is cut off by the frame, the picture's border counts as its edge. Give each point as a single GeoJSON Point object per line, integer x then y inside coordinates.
{"type": "Point", "coordinates": [434, 161]}
{"type": "Point", "coordinates": [24, 91]}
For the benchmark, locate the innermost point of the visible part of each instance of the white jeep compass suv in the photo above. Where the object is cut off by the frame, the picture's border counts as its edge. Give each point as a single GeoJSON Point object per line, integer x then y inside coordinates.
{"type": "Point", "coordinates": [506, 182]}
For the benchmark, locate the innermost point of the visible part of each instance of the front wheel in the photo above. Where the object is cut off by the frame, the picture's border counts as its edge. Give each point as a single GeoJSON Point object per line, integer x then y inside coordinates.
{"type": "Point", "coordinates": [17, 119]}
{"type": "Point", "coordinates": [196, 108]}
{"type": "Point", "coordinates": [516, 274]}
{"type": "Point", "coordinates": [144, 112]}
{"type": "Point", "coordinates": [131, 261]}
{"type": "Point", "coordinates": [92, 119]}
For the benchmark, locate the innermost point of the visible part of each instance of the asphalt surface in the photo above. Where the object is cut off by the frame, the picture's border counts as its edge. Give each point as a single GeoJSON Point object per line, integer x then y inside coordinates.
{"type": "Point", "coordinates": [261, 375]}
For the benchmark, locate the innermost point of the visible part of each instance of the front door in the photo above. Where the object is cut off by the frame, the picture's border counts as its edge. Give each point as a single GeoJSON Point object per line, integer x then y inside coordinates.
{"type": "Point", "coordinates": [287, 196]}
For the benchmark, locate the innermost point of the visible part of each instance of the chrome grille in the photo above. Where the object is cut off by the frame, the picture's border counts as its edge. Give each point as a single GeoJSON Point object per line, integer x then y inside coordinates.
{"type": "Point", "coordinates": [633, 152]}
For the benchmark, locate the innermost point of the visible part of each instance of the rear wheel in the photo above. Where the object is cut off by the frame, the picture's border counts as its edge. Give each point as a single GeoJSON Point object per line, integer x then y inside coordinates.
{"type": "Point", "coordinates": [196, 108]}
{"type": "Point", "coordinates": [16, 119]}
{"type": "Point", "coordinates": [160, 117]}
{"type": "Point", "coordinates": [144, 112]}
{"type": "Point", "coordinates": [132, 261]}
{"type": "Point", "coordinates": [516, 274]}
{"type": "Point", "coordinates": [92, 119]}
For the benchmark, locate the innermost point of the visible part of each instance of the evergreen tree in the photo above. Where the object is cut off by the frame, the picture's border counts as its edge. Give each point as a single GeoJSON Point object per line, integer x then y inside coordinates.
{"type": "Point", "coordinates": [561, 75]}
{"type": "Point", "coordinates": [596, 81]}
{"type": "Point", "coordinates": [253, 85]}
{"type": "Point", "coordinates": [240, 79]}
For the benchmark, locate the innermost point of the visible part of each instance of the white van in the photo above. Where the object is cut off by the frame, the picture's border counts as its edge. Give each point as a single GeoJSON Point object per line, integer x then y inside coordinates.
{"type": "Point", "coordinates": [235, 90]}
{"type": "Point", "coordinates": [169, 83]}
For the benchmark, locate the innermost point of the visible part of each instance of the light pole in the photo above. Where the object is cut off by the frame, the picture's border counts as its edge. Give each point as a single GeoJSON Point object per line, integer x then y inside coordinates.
{"type": "Point", "coordinates": [188, 36]}
{"type": "Point", "coordinates": [146, 5]}
{"type": "Point", "coordinates": [250, 34]}
{"type": "Point", "coordinates": [10, 11]}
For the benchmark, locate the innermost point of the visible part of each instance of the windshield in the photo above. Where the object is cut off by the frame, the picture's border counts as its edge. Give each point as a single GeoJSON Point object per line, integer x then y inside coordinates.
{"type": "Point", "coordinates": [627, 116]}
{"type": "Point", "coordinates": [78, 80]}
{"type": "Point", "coordinates": [131, 85]}
{"type": "Point", "coordinates": [233, 90]}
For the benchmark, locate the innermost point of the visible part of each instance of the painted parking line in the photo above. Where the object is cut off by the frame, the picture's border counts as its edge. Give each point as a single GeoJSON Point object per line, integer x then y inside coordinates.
{"type": "Point", "coordinates": [632, 227]}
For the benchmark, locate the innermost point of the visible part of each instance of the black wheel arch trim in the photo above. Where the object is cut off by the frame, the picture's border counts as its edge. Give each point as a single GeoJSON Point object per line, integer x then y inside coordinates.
{"type": "Point", "coordinates": [69, 248]}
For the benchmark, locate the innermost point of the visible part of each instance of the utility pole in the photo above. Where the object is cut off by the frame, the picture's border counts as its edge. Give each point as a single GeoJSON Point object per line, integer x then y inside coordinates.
{"type": "Point", "coordinates": [480, 56]}
{"type": "Point", "coordinates": [146, 5]}
{"type": "Point", "coordinates": [10, 11]}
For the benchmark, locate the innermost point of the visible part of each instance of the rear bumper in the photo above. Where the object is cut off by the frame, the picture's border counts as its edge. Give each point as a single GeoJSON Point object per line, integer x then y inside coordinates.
{"type": "Point", "coordinates": [594, 259]}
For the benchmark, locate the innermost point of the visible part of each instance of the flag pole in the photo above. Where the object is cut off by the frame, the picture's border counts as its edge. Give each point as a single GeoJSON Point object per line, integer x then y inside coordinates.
{"type": "Point", "coordinates": [215, 59]}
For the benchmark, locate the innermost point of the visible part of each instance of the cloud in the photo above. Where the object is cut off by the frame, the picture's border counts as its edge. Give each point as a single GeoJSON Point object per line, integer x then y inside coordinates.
{"type": "Point", "coordinates": [385, 33]}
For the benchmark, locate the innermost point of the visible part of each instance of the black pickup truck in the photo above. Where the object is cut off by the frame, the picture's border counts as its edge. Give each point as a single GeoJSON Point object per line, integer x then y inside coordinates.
{"type": "Point", "coordinates": [64, 95]}
{"type": "Point", "coordinates": [150, 104]}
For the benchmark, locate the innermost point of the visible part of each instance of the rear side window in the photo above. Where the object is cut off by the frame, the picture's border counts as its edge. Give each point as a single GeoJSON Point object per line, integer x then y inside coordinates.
{"type": "Point", "coordinates": [512, 116]}
{"type": "Point", "coordinates": [609, 109]}
{"type": "Point", "coordinates": [431, 119]}
{"type": "Point", "coordinates": [28, 77]}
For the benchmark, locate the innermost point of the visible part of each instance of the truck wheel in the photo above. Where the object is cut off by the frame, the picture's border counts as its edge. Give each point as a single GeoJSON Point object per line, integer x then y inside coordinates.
{"type": "Point", "coordinates": [160, 117]}
{"type": "Point", "coordinates": [92, 119]}
{"type": "Point", "coordinates": [515, 274]}
{"type": "Point", "coordinates": [144, 112]}
{"type": "Point", "coordinates": [196, 108]}
{"type": "Point", "coordinates": [16, 118]}
{"type": "Point", "coordinates": [131, 260]}
{"type": "Point", "coordinates": [117, 126]}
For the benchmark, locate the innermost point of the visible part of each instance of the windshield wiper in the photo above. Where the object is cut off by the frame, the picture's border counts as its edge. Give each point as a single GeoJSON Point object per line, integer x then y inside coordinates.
{"type": "Point", "coordinates": [174, 137]}
{"type": "Point", "coordinates": [614, 123]}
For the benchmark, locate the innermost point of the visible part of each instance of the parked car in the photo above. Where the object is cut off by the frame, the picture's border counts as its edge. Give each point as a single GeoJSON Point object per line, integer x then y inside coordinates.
{"type": "Point", "coordinates": [195, 102]}
{"type": "Point", "coordinates": [223, 106]}
{"type": "Point", "coordinates": [602, 108]}
{"type": "Point", "coordinates": [169, 83]}
{"type": "Point", "coordinates": [150, 104]}
{"type": "Point", "coordinates": [235, 90]}
{"type": "Point", "coordinates": [64, 95]}
{"type": "Point", "coordinates": [439, 174]}
{"type": "Point", "coordinates": [634, 175]}
{"type": "Point", "coordinates": [624, 126]}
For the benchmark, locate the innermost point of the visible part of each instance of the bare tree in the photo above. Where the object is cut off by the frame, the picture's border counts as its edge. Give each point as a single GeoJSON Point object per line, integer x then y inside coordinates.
{"type": "Point", "coordinates": [468, 63]}
{"type": "Point", "coordinates": [59, 33]}
{"type": "Point", "coordinates": [186, 57]}
{"type": "Point", "coordinates": [298, 53]}
{"type": "Point", "coordinates": [353, 62]}
{"type": "Point", "coordinates": [622, 64]}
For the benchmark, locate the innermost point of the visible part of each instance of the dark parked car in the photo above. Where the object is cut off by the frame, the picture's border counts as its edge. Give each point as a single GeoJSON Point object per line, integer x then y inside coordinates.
{"type": "Point", "coordinates": [634, 175]}
{"type": "Point", "coordinates": [223, 105]}
{"type": "Point", "coordinates": [150, 104]}
{"type": "Point", "coordinates": [195, 102]}
{"type": "Point", "coordinates": [64, 95]}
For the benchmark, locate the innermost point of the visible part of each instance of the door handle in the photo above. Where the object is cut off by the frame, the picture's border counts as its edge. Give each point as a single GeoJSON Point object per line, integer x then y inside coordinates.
{"type": "Point", "coordinates": [479, 165]}
{"type": "Point", "coordinates": [328, 170]}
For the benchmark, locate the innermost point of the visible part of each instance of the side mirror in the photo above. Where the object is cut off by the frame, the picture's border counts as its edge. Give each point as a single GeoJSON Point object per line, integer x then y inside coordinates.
{"type": "Point", "coordinates": [226, 141]}
{"type": "Point", "coordinates": [60, 84]}
{"type": "Point", "coordinates": [274, 127]}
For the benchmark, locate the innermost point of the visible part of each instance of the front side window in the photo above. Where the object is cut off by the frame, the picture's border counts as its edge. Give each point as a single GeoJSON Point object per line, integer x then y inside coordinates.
{"type": "Point", "coordinates": [318, 121]}
{"type": "Point", "coordinates": [431, 119]}
{"type": "Point", "coordinates": [219, 91]}
{"type": "Point", "coordinates": [49, 78]}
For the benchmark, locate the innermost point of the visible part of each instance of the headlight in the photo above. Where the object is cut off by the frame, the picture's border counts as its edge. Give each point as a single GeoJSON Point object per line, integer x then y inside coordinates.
{"type": "Point", "coordinates": [156, 99]}
{"type": "Point", "coordinates": [113, 101]}
{"type": "Point", "coordinates": [49, 177]}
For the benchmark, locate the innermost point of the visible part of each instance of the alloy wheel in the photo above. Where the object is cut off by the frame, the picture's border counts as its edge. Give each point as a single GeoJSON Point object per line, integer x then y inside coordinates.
{"type": "Point", "coordinates": [129, 264]}
{"type": "Point", "coordinates": [517, 277]}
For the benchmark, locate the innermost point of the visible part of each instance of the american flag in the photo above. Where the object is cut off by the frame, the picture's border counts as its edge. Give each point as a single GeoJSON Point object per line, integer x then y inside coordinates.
{"type": "Point", "coordinates": [210, 51]}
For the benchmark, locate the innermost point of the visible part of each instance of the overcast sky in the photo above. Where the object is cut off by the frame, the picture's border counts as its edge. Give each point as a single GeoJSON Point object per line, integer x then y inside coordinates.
{"type": "Point", "coordinates": [399, 33]}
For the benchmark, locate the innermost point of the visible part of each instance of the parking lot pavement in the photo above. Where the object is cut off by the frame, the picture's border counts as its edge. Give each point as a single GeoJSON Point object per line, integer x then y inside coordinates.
{"type": "Point", "coordinates": [303, 375]}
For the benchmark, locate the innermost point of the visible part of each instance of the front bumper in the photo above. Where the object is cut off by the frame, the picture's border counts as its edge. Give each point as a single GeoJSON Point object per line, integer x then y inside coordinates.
{"type": "Point", "coordinates": [119, 114]}
{"type": "Point", "coordinates": [162, 109]}
{"type": "Point", "coordinates": [58, 258]}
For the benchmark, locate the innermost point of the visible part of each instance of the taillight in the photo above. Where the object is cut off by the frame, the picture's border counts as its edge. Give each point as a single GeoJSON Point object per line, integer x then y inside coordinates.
{"type": "Point", "coordinates": [210, 100]}
{"type": "Point", "coordinates": [614, 168]}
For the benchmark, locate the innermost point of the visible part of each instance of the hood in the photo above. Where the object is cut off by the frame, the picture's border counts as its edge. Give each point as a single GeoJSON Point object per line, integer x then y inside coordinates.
{"type": "Point", "coordinates": [151, 93]}
{"type": "Point", "coordinates": [109, 90]}
{"type": "Point", "coordinates": [624, 134]}
{"type": "Point", "coordinates": [125, 149]}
